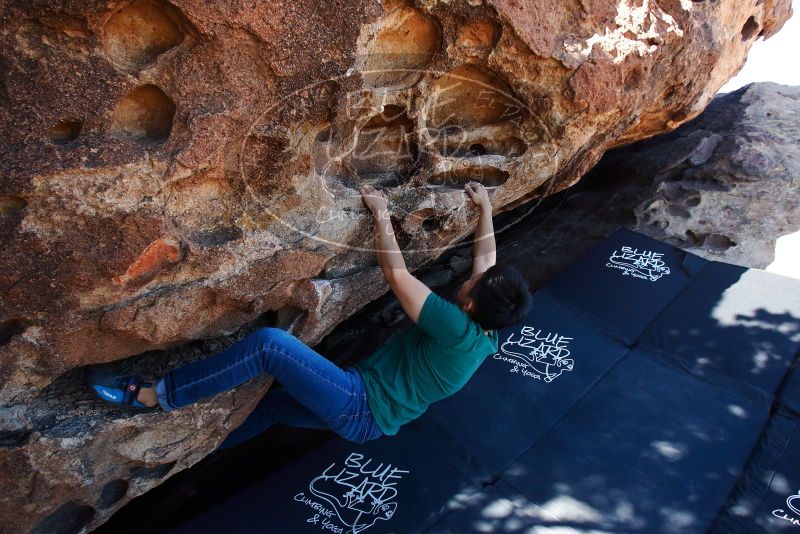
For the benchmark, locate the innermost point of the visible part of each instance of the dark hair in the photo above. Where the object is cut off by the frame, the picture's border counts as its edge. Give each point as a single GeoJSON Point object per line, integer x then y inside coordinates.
{"type": "Point", "coordinates": [501, 297]}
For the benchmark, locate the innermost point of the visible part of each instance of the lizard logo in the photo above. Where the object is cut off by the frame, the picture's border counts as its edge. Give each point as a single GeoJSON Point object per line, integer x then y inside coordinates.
{"type": "Point", "coordinates": [792, 505]}
{"type": "Point", "coordinates": [537, 354]}
{"type": "Point", "coordinates": [644, 264]}
{"type": "Point", "coordinates": [358, 494]}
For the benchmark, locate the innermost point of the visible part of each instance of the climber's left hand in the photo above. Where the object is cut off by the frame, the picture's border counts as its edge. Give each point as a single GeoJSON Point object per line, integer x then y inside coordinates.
{"type": "Point", "coordinates": [374, 199]}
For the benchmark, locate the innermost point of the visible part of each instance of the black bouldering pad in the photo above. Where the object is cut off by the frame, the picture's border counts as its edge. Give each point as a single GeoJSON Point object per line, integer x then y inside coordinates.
{"type": "Point", "coordinates": [766, 498]}
{"type": "Point", "coordinates": [742, 323]}
{"type": "Point", "coordinates": [648, 390]}
{"type": "Point", "coordinates": [385, 485]}
{"type": "Point", "coordinates": [544, 366]}
{"type": "Point", "coordinates": [495, 508]}
{"type": "Point", "coordinates": [622, 284]}
{"type": "Point", "coordinates": [649, 449]}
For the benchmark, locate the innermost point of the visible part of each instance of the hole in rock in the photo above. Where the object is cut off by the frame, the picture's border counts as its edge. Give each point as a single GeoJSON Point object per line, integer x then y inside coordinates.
{"type": "Point", "coordinates": [673, 191]}
{"type": "Point", "coordinates": [678, 211]}
{"type": "Point", "coordinates": [268, 318]}
{"type": "Point", "coordinates": [469, 96]}
{"type": "Point", "coordinates": [327, 162]}
{"type": "Point", "coordinates": [385, 149]}
{"type": "Point", "coordinates": [141, 31]}
{"type": "Point", "coordinates": [477, 37]}
{"type": "Point", "coordinates": [694, 239]}
{"type": "Point", "coordinates": [718, 243]}
{"type": "Point", "coordinates": [477, 149]}
{"type": "Point", "coordinates": [11, 328]}
{"type": "Point", "coordinates": [423, 221]}
{"type": "Point", "coordinates": [10, 206]}
{"type": "Point", "coordinates": [64, 132]}
{"type": "Point", "coordinates": [14, 438]}
{"type": "Point", "coordinates": [324, 136]}
{"type": "Point", "coordinates": [69, 518]}
{"type": "Point", "coordinates": [216, 237]}
{"type": "Point", "coordinates": [457, 178]}
{"type": "Point", "coordinates": [403, 48]}
{"type": "Point", "coordinates": [692, 201]}
{"type": "Point", "coordinates": [749, 29]}
{"type": "Point", "coordinates": [453, 146]}
{"type": "Point", "coordinates": [402, 237]}
{"type": "Point", "coordinates": [288, 316]}
{"type": "Point", "coordinates": [633, 79]}
{"type": "Point", "coordinates": [152, 472]}
{"type": "Point", "coordinates": [265, 161]}
{"type": "Point", "coordinates": [112, 492]}
{"type": "Point", "coordinates": [144, 114]}
{"type": "Point", "coordinates": [430, 224]}
{"type": "Point", "coordinates": [11, 209]}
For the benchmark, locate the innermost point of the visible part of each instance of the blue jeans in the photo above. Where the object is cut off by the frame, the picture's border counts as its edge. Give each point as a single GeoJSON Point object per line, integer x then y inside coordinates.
{"type": "Point", "coordinates": [316, 393]}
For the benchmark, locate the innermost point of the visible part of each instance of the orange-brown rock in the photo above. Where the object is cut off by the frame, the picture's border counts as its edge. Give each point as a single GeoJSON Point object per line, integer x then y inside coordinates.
{"type": "Point", "coordinates": [158, 255]}
{"type": "Point", "coordinates": [208, 155]}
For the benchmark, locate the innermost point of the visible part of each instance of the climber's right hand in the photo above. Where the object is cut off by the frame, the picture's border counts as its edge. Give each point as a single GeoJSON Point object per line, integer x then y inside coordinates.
{"type": "Point", "coordinates": [478, 193]}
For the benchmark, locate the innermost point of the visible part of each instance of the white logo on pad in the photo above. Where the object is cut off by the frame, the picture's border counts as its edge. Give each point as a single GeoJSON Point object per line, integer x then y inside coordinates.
{"type": "Point", "coordinates": [353, 497]}
{"type": "Point", "coordinates": [536, 354]}
{"type": "Point", "coordinates": [793, 506]}
{"type": "Point", "coordinates": [644, 264]}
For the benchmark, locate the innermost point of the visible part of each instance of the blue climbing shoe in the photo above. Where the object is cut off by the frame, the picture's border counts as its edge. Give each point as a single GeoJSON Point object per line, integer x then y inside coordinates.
{"type": "Point", "coordinates": [119, 390]}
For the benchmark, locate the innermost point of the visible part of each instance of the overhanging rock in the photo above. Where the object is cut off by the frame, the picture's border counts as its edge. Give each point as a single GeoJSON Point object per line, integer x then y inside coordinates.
{"type": "Point", "coordinates": [172, 171]}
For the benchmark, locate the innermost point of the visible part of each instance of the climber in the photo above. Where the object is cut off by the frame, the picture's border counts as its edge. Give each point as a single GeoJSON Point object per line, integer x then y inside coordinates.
{"type": "Point", "coordinates": [387, 389]}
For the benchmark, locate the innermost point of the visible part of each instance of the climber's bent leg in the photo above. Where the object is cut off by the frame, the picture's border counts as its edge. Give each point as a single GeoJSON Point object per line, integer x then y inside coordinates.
{"type": "Point", "coordinates": [337, 396]}
{"type": "Point", "coordinates": [277, 406]}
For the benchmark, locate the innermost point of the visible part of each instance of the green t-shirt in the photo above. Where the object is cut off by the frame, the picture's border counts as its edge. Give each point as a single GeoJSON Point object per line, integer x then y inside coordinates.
{"type": "Point", "coordinates": [424, 364]}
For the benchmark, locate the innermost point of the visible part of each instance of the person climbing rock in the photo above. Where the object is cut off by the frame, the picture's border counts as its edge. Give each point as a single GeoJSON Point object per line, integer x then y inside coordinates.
{"type": "Point", "coordinates": [392, 386]}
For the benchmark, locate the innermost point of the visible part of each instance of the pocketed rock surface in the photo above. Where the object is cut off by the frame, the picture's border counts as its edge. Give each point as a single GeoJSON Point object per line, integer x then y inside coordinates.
{"type": "Point", "coordinates": [725, 186]}
{"type": "Point", "coordinates": [744, 190]}
{"type": "Point", "coordinates": [747, 185]}
{"type": "Point", "coordinates": [187, 171]}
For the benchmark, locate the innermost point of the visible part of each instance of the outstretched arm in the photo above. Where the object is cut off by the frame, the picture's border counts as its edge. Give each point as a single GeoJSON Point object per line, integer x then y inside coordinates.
{"type": "Point", "coordinates": [409, 290]}
{"type": "Point", "coordinates": [485, 253]}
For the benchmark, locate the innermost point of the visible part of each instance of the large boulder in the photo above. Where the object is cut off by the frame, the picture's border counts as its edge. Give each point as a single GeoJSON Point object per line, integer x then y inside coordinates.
{"type": "Point", "coordinates": [725, 186]}
{"type": "Point", "coordinates": [623, 184]}
{"type": "Point", "coordinates": [173, 171]}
